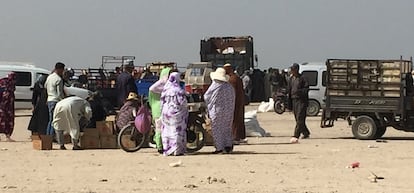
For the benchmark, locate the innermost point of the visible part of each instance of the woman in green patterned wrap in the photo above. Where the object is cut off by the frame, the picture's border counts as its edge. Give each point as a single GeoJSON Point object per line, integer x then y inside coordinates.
{"type": "Point", "coordinates": [154, 98]}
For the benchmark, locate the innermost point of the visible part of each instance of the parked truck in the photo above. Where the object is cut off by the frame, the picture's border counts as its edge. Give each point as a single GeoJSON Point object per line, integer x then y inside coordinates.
{"type": "Point", "coordinates": [372, 95]}
{"type": "Point", "coordinates": [238, 51]}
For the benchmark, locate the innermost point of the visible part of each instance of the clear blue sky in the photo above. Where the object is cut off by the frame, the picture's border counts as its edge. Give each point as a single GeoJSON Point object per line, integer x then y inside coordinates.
{"type": "Point", "coordinates": [79, 32]}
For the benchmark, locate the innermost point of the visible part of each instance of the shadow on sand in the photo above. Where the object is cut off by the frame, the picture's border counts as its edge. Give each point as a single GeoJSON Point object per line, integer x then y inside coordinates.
{"type": "Point", "coordinates": [246, 153]}
{"type": "Point", "coordinates": [380, 140]}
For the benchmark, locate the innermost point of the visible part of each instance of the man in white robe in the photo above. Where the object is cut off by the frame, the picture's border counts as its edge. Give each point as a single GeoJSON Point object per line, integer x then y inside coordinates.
{"type": "Point", "coordinates": [66, 117]}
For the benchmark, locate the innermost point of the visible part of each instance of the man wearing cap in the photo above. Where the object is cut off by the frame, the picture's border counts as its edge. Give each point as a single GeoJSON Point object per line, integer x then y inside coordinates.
{"type": "Point", "coordinates": [54, 87]}
{"type": "Point", "coordinates": [125, 83]}
{"type": "Point", "coordinates": [239, 130]}
{"type": "Point", "coordinates": [298, 92]}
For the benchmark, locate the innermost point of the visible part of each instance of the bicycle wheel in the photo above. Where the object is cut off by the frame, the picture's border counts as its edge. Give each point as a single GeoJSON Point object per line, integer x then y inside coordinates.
{"type": "Point", "coordinates": [130, 140]}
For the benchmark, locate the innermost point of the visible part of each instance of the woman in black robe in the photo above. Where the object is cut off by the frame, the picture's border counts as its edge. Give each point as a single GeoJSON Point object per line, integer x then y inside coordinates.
{"type": "Point", "coordinates": [40, 118]}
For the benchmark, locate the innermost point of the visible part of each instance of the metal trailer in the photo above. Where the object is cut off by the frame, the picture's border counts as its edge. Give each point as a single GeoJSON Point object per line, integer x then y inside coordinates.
{"type": "Point", "coordinates": [103, 79]}
{"type": "Point", "coordinates": [370, 94]}
{"type": "Point", "coordinates": [237, 51]}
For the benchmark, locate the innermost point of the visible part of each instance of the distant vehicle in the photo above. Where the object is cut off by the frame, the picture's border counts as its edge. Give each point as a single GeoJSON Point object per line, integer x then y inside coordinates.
{"type": "Point", "coordinates": [26, 76]}
{"type": "Point", "coordinates": [371, 95]}
{"type": "Point", "coordinates": [151, 75]}
{"type": "Point", "coordinates": [315, 73]}
{"type": "Point", "coordinates": [156, 67]}
{"type": "Point", "coordinates": [197, 77]}
{"type": "Point", "coordinates": [238, 51]}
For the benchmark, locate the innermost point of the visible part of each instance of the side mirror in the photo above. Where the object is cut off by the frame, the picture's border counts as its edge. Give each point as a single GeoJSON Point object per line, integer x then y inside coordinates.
{"type": "Point", "coordinates": [256, 58]}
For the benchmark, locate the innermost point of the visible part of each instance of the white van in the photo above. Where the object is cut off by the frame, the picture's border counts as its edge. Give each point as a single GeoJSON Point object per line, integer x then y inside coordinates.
{"type": "Point", "coordinates": [315, 73]}
{"type": "Point", "coordinates": [26, 76]}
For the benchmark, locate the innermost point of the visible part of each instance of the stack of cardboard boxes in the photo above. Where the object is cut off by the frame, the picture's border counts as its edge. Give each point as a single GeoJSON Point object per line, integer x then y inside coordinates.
{"type": "Point", "coordinates": [101, 137]}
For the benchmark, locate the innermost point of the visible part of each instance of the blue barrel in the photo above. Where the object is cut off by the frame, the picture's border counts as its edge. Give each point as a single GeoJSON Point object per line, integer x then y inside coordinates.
{"type": "Point", "coordinates": [143, 86]}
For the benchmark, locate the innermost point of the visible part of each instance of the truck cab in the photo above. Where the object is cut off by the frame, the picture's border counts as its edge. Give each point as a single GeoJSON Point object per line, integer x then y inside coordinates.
{"type": "Point", "coordinates": [197, 77]}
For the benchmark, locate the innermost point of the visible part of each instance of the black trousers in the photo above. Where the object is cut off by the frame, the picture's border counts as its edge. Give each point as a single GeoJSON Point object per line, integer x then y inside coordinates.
{"type": "Point", "coordinates": [299, 110]}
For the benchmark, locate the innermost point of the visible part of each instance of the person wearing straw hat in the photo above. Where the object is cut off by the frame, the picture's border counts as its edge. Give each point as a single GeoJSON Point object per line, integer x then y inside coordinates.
{"type": "Point", "coordinates": [128, 111]}
{"type": "Point", "coordinates": [220, 99]}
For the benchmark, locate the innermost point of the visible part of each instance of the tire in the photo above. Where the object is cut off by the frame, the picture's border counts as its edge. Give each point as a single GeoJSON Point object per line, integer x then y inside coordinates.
{"type": "Point", "coordinates": [364, 128]}
{"type": "Point", "coordinates": [130, 140]}
{"type": "Point", "coordinates": [195, 137]}
{"type": "Point", "coordinates": [380, 131]}
{"type": "Point", "coordinates": [313, 108]}
{"type": "Point", "coordinates": [279, 107]}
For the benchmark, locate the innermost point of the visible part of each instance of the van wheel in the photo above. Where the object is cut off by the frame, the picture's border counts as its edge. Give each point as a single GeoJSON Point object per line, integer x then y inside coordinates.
{"type": "Point", "coordinates": [313, 108]}
{"type": "Point", "coordinates": [364, 128]}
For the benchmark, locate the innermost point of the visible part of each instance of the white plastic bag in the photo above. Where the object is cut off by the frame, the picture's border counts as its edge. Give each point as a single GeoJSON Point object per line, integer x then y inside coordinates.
{"type": "Point", "coordinates": [253, 128]}
{"type": "Point", "coordinates": [270, 108]}
{"type": "Point", "coordinates": [263, 107]}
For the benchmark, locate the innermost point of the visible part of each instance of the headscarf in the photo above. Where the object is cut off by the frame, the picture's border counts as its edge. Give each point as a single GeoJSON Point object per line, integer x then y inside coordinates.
{"type": "Point", "coordinates": [172, 88]}
{"type": "Point", "coordinates": [11, 82]}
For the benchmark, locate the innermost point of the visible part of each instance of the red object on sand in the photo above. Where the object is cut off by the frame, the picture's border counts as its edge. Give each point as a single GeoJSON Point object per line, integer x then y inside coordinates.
{"type": "Point", "coordinates": [355, 165]}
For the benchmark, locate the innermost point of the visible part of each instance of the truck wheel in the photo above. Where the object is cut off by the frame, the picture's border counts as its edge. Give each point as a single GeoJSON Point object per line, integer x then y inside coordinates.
{"type": "Point", "coordinates": [380, 131]}
{"type": "Point", "coordinates": [364, 127]}
{"type": "Point", "coordinates": [313, 108]}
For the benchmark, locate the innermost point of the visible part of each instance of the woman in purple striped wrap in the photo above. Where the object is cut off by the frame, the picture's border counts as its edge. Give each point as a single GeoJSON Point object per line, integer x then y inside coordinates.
{"type": "Point", "coordinates": [174, 117]}
{"type": "Point", "coordinates": [220, 99]}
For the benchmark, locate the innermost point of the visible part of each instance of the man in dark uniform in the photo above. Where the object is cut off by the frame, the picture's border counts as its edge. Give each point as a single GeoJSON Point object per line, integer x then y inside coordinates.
{"type": "Point", "coordinates": [125, 83]}
{"type": "Point", "coordinates": [298, 93]}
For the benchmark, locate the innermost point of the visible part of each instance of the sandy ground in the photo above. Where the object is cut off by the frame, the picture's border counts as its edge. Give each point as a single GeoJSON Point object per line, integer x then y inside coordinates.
{"type": "Point", "coordinates": [264, 165]}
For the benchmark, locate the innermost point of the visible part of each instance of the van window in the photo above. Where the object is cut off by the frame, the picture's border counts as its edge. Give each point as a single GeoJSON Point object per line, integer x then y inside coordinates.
{"type": "Point", "coordinates": [312, 77]}
{"type": "Point", "coordinates": [197, 72]}
{"type": "Point", "coordinates": [23, 78]}
{"type": "Point", "coordinates": [324, 78]}
{"type": "Point", "coordinates": [38, 75]}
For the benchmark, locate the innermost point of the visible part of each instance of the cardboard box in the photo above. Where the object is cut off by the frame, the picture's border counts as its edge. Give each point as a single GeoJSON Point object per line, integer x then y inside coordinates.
{"type": "Point", "coordinates": [105, 127]}
{"type": "Point", "coordinates": [67, 139]}
{"type": "Point", "coordinates": [90, 142]}
{"type": "Point", "coordinates": [126, 141]}
{"type": "Point", "coordinates": [42, 142]}
{"type": "Point", "coordinates": [91, 132]}
{"type": "Point", "coordinates": [109, 141]}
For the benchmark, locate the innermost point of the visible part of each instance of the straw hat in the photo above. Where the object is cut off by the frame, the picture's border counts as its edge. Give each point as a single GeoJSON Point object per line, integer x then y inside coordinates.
{"type": "Point", "coordinates": [227, 65]}
{"type": "Point", "coordinates": [219, 74]}
{"type": "Point", "coordinates": [132, 96]}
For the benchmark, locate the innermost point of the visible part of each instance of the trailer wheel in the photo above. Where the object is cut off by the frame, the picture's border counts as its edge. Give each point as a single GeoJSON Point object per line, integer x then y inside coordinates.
{"type": "Point", "coordinates": [364, 128]}
{"type": "Point", "coordinates": [313, 108]}
{"type": "Point", "coordinates": [380, 131]}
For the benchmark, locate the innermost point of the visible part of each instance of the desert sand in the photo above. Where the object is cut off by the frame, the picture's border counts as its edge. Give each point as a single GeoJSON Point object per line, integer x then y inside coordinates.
{"type": "Point", "coordinates": [269, 164]}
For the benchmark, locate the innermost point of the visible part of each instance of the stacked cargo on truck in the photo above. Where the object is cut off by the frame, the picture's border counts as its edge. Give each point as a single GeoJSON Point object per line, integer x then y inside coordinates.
{"type": "Point", "coordinates": [370, 94]}
{"type": "Point", "coordinates": [237, 51]}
